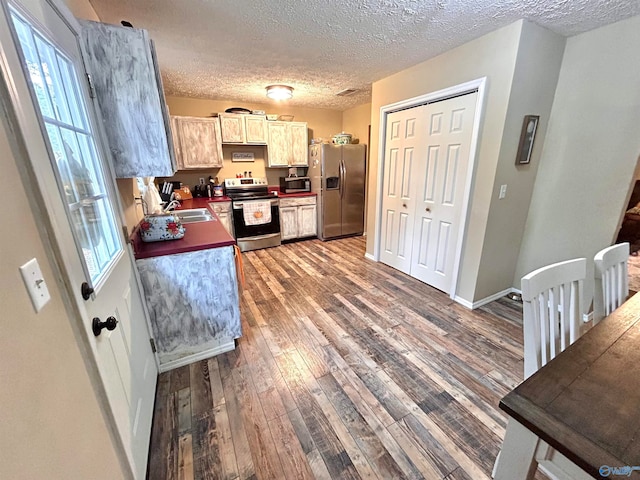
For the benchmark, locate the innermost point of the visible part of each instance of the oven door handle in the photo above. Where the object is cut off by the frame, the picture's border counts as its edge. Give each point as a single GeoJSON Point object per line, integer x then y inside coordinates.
{"type": "Point", "coordinates": [239, 205]}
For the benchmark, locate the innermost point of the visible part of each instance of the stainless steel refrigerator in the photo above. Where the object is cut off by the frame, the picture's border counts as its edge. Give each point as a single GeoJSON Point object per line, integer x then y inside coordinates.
{"type": "Point", "coordinates": [338, 177]}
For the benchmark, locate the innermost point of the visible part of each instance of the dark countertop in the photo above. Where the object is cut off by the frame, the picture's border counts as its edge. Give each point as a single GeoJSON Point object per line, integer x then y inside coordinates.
{"type": "Point", "coordinates": [294, 195]}
{"type": "Point", "coordinates": [291, 195]}
{"type": "Point", "coordinates": [198, 236]}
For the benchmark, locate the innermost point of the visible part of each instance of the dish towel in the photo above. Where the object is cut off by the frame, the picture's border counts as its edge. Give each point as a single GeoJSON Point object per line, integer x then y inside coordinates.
{"type": "Point", "coordinates": [256, 213]}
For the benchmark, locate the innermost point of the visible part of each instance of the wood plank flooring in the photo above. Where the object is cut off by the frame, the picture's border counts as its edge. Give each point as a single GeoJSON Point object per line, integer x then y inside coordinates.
{"type": "Point", "coordinates": [347, 368]}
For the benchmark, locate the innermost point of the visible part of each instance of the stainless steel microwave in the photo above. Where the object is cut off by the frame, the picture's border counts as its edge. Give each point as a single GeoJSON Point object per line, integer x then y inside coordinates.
{"type": "Point", "coordinates": [295, 184]}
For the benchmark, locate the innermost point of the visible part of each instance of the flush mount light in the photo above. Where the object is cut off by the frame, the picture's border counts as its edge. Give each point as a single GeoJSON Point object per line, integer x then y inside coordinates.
{"type": "Point", "coordinates": [279, 92]}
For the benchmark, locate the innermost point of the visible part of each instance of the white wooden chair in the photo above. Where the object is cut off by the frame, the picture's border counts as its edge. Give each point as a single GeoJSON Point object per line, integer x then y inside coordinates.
{"type": "Point", "coordinates": [612, 280]}
{"type": "Point", "coordinates": [552, 318]}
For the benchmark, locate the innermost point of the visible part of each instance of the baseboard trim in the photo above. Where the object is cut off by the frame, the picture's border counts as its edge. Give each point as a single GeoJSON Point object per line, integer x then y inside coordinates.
{"type": "Point", "coordinates": [181, 362]}
{"type": "Point", "coordinates": [587, 317]}
{"type": "Point", "coordinates": [370, 257]}
{"type": "Point", "coordinates": [463, 302]}
{"type": "Point", "coordinates": [484, 301]}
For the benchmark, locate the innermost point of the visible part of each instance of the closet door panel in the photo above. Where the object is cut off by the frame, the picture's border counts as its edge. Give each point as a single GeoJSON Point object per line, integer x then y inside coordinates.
{"type": "Point", "coordinates": [441, 185]}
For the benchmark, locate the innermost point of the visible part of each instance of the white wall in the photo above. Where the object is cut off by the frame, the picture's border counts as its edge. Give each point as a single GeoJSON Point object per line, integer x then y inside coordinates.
{"type": "Point", "coordinates": [591, 150]}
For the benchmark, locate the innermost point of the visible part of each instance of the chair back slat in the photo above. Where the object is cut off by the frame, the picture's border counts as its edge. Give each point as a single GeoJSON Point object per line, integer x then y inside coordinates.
{"type": "Point", "coordinates": [551, 296]}
{"type": "Point", "coordinates": [611, 280]}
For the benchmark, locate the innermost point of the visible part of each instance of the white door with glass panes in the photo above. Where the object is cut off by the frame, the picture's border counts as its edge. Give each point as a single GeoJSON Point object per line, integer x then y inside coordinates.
{"type": "Point", "coordinates": [65, 148]}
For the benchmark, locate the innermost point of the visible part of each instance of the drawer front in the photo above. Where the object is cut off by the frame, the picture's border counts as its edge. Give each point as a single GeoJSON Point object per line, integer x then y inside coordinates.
{"type": "Point", "coordinates": [297, 202]}
{"type": "Point", "coordinates": [221, 207]}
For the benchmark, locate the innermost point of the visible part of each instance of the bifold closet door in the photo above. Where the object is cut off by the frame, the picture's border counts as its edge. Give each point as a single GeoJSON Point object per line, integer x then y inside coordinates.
{"type": "Point", "coordinates": [404, 146]}
{"type": "Point", "coordinates": [425, 170]}
{"type": "Point", "coordinates": [440, 181]}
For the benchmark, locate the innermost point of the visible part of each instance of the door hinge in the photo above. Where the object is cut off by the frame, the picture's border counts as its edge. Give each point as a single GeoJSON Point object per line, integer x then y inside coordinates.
{"type": "Point", "coordinates": [125, 232]}
{"type": "Point", "coordinates": [153, 345]}
{"type": "Point", "coordinates": [92, 90]}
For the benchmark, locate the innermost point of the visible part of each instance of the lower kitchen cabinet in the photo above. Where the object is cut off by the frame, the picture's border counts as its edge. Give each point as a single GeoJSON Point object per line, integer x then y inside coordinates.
{"type": "Point", "coordinates": [298, 217]}
{"type": "Point", "coordinates": [223, 211]}
{"type": "Point", "coordinates": [193, 304]}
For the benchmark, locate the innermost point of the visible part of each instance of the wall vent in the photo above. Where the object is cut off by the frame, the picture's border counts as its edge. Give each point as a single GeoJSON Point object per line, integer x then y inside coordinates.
{"type": "Point", "coordinates": [347, 92]}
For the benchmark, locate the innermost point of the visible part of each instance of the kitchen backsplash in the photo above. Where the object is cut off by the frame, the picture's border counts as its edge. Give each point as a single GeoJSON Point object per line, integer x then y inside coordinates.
{"type": "Point", "coordinates": [258, 167]}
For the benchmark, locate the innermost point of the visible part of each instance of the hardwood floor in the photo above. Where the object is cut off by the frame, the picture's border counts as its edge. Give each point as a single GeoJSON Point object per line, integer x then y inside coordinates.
{"type": "Point", "coordinates": [347, 368]}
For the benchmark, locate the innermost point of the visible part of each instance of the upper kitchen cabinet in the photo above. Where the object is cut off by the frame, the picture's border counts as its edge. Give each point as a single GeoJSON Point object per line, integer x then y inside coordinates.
{"type": "Point", "coordinates": [198, 142]}
{"type": "Point", "coordinates": [243, 129]}
{"type": "Point", "coordinates": [288, 144]}
{"type": "Point", "coordinates": [299, 144]}
{"type": "Point", "coordinates": [128, 88]}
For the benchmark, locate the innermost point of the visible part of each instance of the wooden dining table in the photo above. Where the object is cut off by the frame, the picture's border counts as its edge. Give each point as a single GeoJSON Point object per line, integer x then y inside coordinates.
{"type": "Point", "coordinates": [584, 404]}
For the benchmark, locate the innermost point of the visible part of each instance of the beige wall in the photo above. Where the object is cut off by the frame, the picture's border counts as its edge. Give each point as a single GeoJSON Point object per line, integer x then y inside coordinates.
{"type": "Point", "coordinates": [320, 122]}
{"type": "Point", "coordinates": [532, 91]}
{"type": "Point", "coordinates": [591, 150]}
{"type": "Point", "coordinates": [356, 121]}
{"type": "Point", "coordinates": [51, 423]}
{"type": "Point", "coordinates": [493, 56]}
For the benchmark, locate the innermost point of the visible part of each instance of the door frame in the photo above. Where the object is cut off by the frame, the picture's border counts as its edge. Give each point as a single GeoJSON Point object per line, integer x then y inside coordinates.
{"type": "Point", "coordinates": [477, 85]}
{"type": "Point", "coordinates": [20, 111]}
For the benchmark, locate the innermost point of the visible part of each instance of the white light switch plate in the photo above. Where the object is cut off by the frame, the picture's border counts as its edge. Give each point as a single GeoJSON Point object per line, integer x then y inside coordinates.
{"type": "Point", "coordinates": [36, 286]}
{"type": "Point", "coordinates": [503, 191]}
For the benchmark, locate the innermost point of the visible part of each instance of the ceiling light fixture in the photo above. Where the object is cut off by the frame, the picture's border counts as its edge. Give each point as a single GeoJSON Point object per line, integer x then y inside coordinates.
{"type": "Point", "coordinates": [279, 92]}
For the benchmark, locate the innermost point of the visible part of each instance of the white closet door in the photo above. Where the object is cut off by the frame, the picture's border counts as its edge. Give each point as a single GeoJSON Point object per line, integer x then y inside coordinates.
{"type": "Point", "coordinates": [439, 185]}
{"type": "Point", "coordinates": [404, 151]}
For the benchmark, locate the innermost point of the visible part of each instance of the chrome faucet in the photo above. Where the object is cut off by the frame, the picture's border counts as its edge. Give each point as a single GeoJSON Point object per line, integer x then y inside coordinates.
{"type": "Point", "coordinates": [171, 206]}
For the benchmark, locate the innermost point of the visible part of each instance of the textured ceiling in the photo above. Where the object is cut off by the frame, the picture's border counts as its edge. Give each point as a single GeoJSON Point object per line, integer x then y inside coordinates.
{"type": "Point", "coordinates": [233, 49]}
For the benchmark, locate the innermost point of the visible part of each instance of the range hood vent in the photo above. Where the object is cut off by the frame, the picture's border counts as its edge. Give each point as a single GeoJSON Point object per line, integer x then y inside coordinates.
{"type": "Point", "coordinates": [347, 92]}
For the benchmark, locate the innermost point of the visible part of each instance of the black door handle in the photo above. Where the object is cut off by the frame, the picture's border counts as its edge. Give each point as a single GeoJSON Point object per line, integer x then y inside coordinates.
{"type": "Point", "coordinates": [86, 290]}
{"type": "Point", "coordinates": [97, 325]}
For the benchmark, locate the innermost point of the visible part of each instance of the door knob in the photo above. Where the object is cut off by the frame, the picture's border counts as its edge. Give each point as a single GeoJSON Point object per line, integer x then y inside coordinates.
{"type": "Point", "coordinates": [427, 209]}
{"type": "Point", "coordinates": [86, 290]}
{"type": "Point", "coordinates": [97, 325]}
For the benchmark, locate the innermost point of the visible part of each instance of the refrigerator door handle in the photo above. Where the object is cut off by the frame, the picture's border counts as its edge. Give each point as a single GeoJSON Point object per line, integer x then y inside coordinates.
{"type": "Point", "coordinates": [342, 178]}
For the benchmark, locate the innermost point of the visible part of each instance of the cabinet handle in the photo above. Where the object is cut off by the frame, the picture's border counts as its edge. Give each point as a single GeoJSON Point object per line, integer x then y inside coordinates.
{"type": "Point", "coordinates": [404, 205]}
{"type": "Point", "coordinates": [427, 209]}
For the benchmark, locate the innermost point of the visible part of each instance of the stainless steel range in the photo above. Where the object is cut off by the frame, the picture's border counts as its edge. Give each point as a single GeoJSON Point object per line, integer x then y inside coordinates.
{"type": "Point", "coordinates": [256, 215]}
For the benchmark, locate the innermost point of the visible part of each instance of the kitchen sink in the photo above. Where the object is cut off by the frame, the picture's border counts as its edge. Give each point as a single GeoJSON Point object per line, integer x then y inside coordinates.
{"type": "Point", "coordinates": [194, 215]}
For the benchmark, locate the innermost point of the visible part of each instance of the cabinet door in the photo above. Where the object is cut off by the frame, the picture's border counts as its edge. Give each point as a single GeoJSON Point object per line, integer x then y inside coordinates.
{"type": "Point", "coordinates": [225, 220]}
{"type": "Point", "coordinates": [307, 221]}
{"type": "Point", "coordinates": [255, 129]}
{"type": "Point", "coordinates": [223, 211]}
{"type": "Point", "coordinates": [131, 100]}
{"type": "Point", "coordinates": [288, 222]}
{"type": "Point", "coordinates": [176, 143]}
{"type": "Point", "coordinates": [200, 142]}
{"type": "Point", "coordinates": [232, 126]}
{"type": "Point", "coordinates": [299, 144]}
{"type": "Point", "coordinates": [279, 146]}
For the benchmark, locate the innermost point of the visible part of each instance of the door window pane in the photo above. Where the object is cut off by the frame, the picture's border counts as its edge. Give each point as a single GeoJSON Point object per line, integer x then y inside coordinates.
{"type": "Point", "coordinates": [78, 166]}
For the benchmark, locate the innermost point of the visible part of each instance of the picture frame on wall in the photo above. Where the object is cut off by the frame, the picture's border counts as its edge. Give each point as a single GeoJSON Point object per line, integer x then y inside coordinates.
{"type": "Point", "coordinates": [527, 137]}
